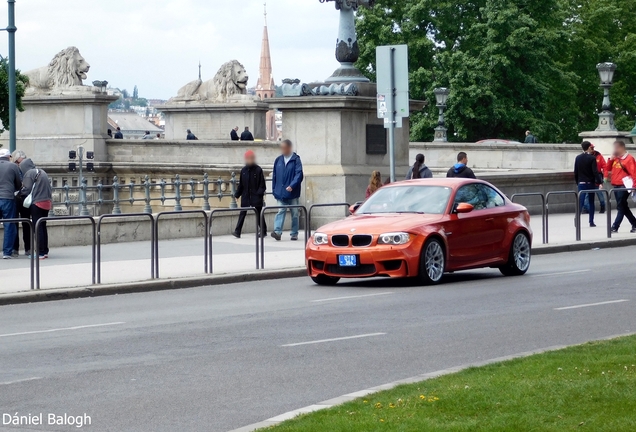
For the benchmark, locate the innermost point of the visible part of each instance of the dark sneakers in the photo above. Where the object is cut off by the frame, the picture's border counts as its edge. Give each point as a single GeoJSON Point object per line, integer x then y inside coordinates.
{"type": "Point", "coordinates": [276, 236]}
{"type": "Point", "coordinates": [294, 238]}
{"type": "Point", "coordinates": [236, 234]}
{"type": "Point", "coordinates": [633, 231]}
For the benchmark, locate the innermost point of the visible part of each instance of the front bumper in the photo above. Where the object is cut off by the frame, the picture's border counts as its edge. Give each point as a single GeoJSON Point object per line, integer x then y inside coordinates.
{"type": "Point", "coordinates": [392, 261]}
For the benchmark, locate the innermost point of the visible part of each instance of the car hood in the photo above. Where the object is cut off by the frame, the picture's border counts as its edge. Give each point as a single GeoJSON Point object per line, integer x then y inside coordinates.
{"type": "Point", "coordinates": [379, 223]}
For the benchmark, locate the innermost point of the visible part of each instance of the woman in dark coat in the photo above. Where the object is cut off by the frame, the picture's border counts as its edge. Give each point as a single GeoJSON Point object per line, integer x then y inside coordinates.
{"type": "Point", "coordinates": [251, 190]}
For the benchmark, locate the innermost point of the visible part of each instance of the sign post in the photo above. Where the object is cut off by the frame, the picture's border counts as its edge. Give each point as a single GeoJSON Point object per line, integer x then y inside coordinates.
{"type": "Point", "coordinates": [393, 91]}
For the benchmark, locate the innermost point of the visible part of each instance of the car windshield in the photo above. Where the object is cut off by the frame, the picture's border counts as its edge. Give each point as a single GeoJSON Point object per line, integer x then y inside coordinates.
{"type": "Point", "coordinates": [407, 199]}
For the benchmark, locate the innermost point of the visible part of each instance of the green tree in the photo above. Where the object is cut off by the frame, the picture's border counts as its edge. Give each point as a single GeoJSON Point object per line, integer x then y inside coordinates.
{"type": "Point", "coordinates": [21, 83]}
{"type": "Point", "coordinates": [135, 93]}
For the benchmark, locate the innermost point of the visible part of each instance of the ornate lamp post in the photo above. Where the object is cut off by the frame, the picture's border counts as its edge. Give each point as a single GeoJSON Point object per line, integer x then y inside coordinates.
{"type": "Point", "coordinates": [347, 50]}
{"type": "Point", "coordinates": [441, 94]}
{"type": "Point", "coordinates": [606, 116]}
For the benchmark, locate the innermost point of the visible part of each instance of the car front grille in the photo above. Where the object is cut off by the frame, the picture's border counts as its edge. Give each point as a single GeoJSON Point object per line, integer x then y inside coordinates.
{"type": "Point", "coordinates": [361, 270]}
{"type": "Point", "coordinates": [340, 240]}
{"type": "Point", "coordinates": [361, 240]}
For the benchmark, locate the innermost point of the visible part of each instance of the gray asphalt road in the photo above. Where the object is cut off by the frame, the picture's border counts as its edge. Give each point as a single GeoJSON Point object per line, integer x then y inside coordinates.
{"type": "Point", "coordinates": [214, 359]}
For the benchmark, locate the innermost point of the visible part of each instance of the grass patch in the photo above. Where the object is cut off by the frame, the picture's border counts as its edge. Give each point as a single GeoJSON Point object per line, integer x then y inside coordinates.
{"type": "Point", "coordinates": [587, 387]}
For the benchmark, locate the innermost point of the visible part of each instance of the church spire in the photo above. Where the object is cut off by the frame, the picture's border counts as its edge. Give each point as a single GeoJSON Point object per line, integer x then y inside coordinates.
{"type": "Point", "coordinates": [265, 87]}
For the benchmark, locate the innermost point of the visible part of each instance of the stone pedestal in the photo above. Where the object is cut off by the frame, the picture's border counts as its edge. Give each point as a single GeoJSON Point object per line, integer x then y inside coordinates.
{"type": "Point", "coordinates": [50, 126]}
{"type": "Point", "coordinates": [214, 121]}
{"type": "Point", "coordinates": [604, 140]}
{"type": "Point", "coordinates": [340, 141]}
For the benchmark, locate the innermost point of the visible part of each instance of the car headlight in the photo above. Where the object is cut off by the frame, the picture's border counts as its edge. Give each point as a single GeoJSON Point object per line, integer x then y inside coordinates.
{"type": "Point", "coordinates": [398, 238]}
{"type": "Point", "coordinates": [321, 239]}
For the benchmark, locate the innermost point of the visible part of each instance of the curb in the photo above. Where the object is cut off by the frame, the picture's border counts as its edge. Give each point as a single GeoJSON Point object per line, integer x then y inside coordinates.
{"type": "Point", "coordinates": [254, 276]}
{"type": "Point", "coordinates": [146, 286]}
{"type": "Point", "coordinates": [418, 378]}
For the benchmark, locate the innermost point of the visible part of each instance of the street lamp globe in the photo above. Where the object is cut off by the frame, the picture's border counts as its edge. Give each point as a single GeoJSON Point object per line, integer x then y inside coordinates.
{"type": "Point", "coordinates": [441, 94]}
{"type": "Point", "coordinates": [606, 72]}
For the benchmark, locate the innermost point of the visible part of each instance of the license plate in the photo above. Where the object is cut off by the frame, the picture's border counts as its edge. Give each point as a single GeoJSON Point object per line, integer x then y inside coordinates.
{"type": "Point", "coordinates": [348, 260]}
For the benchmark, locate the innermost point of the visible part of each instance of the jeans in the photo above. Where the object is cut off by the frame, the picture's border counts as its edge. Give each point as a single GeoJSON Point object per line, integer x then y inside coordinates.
{"type": "Point", "coordinates": [7, 211]}
{"type": "Point", "coordinates": [585, 187]}
{"type": "Point", "coordinates": [22, 213]}
{"type": "Point", "coordinates": [37, 213]}
{"type": "Point", "coordinates": [601, 199]}
{"type": "Point", "coordinates": [623, 210]}
{"type": "Point", "coordinates": [241, 221]}
{"type": "Point", "coordinates": [279, 221]}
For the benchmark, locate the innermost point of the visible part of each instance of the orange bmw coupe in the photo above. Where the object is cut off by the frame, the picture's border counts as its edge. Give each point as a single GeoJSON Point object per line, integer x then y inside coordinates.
{"type": "Point", "coordinates": [423, 229]}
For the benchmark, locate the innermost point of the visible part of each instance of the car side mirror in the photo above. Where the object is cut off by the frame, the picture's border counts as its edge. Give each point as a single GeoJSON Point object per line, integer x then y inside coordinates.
{"type": "Point", "coordinates": [355, 207]}
{"type": "Point", "coordinates": [463, 208]}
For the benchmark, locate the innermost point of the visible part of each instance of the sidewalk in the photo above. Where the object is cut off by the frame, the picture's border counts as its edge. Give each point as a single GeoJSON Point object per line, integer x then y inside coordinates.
{"type": "Point", "coordinates": [124, 263]}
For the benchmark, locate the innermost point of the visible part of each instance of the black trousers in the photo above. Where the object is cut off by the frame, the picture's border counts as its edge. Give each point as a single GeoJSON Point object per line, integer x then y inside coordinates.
{"type": "Point", "coordinates": [241, 221]}
{"type": "Point", "coordinates": [37, 213]}
{"type": "Point", "coordinates": [22, 213]}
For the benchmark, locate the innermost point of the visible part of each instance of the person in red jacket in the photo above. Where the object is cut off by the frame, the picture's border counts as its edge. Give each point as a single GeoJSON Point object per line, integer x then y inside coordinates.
{"type": "Point", "coordinates": [602, 168]}
{"type": "Point", "coordinates": [619, 167]}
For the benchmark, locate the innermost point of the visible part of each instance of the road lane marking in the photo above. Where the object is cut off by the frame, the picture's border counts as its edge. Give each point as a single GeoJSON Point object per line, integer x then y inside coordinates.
{"type": "Point", "coordinates": [591, 304]}
{"type": "Point", "coordinates": [351, 297]}
{"type": "Point", "coordinates": [61, 329]}
{"type": "Point", "coordinates": [562, 273]}
{"type": "Point", "coordinates": [20, 381]}
{"type": "Point", "coordinates": [334, 339]}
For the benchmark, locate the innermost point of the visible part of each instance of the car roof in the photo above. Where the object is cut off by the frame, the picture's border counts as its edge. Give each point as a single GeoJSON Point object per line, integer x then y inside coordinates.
{"type": "Point", "coordinates": [444, 182]}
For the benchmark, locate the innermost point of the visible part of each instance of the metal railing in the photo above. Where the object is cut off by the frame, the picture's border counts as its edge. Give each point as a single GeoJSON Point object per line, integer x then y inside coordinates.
{"type": "Point", "coordinates": [117, 193]}
{"type": "Point", "coordinates": [59, 218]}
{"type": "Point", "coordinates": [243, 209]}
{"type": "Point", "coordinates": [32, 243]}
{"type": "Point", "coordinates": [544, 231]}
{"type": "Point", "coordinates": [98, 258]}
{"type": "Point", "coordinates": [300, 208]}
{"type": "Point", "coordinates": [608, 211]}
{"type": "Point", "coordinates": [315, 206]}
{"type": "Point", "coordinates": [158, 216]}
{"type": "Point", "coordinates": [577, 216]}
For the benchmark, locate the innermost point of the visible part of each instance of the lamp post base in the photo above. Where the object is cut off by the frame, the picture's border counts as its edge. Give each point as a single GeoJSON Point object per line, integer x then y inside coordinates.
{"type": "Point", "coordinates": [347, 73]}
{"type": "Point", "coordinates": [606, 122]}
{"type": "Point", "coordinates": [441, 134]}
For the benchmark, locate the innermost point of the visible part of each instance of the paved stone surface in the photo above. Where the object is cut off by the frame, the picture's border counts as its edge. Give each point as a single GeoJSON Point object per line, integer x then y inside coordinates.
{"type": "Point", "coordinates": [212, 359]}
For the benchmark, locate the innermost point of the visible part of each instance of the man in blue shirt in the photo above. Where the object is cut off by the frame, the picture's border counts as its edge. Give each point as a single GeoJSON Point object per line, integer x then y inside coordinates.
{"type": "Point", "coordinates": [286, 181]}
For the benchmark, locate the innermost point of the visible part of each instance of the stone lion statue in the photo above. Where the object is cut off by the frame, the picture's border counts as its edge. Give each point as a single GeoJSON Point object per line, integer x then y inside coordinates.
{"type": "Point", "coordinates": [230, 80]}
{"type": "Point", "coordinates": [67, 69]}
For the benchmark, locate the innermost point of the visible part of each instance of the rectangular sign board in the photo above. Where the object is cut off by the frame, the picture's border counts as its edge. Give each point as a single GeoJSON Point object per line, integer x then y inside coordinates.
{"type": "Point", "coordinates": [392, 65]}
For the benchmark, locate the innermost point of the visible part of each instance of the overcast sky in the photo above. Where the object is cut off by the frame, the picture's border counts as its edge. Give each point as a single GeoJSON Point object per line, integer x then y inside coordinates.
{"type": "Point", "coordinates": [157, 44]}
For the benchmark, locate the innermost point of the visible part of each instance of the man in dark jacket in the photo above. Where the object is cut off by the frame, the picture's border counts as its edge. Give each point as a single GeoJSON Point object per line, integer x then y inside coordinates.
{"type": "Point", "coordinates": [36, 182]}
{"type": "Point", "coordinates": [460, 169]}
{"type": "Point", "coordinates": [251, 190]}
{"type": "Point", "coordinates": [286, 181]}
{"type": "Point", "coordinates": [530, 139]}
{"type": "Point", "coordinates": [118, 134]}
{"type": "Point", "coordinates": [190, 136]}
{"type": "Point", "coordinates": [247, 135]}
{"type": "Point", "coordinates": [10, 183]}
{"type": "Point", "coordinates": [587, 177]}
{"type": "Point", "coordinates": [234, 134]}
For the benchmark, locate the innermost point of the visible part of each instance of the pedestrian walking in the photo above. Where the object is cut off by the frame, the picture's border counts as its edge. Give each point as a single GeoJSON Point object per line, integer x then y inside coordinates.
{"type": "Point", "coordinates": [286, 181]}
{"type": "Point", "coordinates": [10, 183]}
{"type": "Point", "coordinates": [251, 191]}
{"type": "Point", "coordinates": [530, 138]}
{"type": "Point", "coordinates": [621, 169]}
{"type": "Point", "coordinates": [234, 134]}
{"type": "Point", "coordinates": [110, 133]}
{"type": "Point", "coordinates": [190, 136]}
{"type": "Point", "coordinates": [119, 134]}
{"type": "Point", "coordinates": [419, 169]}
{"type": "Point", "coordinates": [601, 164]}
{"type": "Point", "coordinates": [247, 135]}
{"type": "Point", "coordinates": [25, 164]}
{"type": "Point", "coordinates": [460, 169]}
{"type": "Point", "coordinates": [587, 177]}
{"type": "Point", "coordinates": [375, 183]}
{"type": "Point", "coordinates": [147, 136]}
{"type": "Point", "coordinates": [36, 183]}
